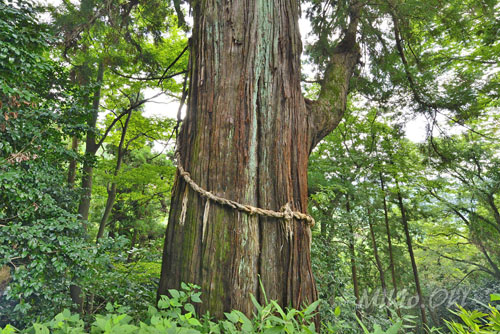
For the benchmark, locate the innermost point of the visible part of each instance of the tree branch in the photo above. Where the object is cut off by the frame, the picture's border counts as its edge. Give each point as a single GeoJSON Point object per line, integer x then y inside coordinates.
{"type": "Point", "coordinates": [147, 78]}
{"type": "Point", "coordinates": [463, 278]}
{"type": "Point", "coordinates": [457, 209]}
{"type": "Point", "coordinates": [481, 267]}
{"type": "Point", "coordinates": [488, 258]}
{"type": "Point", "coordinates": [136, 105]}
{"type": "Point", "coordinates": [163, 77]}
{"type": "Point", "coordinates": [327, 111]}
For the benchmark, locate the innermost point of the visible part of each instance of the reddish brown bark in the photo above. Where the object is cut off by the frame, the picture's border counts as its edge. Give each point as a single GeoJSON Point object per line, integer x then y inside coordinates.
{"type": "Point", "coordinates": [247, 137]}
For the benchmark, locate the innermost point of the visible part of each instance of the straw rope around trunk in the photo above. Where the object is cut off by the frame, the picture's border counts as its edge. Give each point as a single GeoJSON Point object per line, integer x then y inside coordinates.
{"type": "Point", "coordinates": [286, 212]}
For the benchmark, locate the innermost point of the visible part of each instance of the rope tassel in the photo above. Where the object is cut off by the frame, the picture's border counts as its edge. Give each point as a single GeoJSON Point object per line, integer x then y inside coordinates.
{"type": "Point", "coordinates": [184, 207]}
{"type": "Point", "coordinates": [206, 212]}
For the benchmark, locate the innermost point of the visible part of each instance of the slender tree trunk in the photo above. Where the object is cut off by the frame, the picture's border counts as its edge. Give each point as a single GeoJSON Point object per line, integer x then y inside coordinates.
{"type": "Point", "coordinates": [436, 320]}
{"type": "Point", "coordinates": [323, 231]}
{"type": "Point", "coordinates": [77, 297]}
{"type": "Point", "coordinates": [247, 137]}
{"type": "Point", "coordinates": [496, 271]}
{"type": "Point", "coordinates": [132, 244]}
{"type": "Point", "coordinates": [404, 220]}
{"type": "Point", "coordinates": [72, 163]}
{"type": "Point", "coordinates": [163, 204]}
{"type": "Point", "coordinates": [112, 189]}
{"type": "Point", "coordinates": [87, 171]}
{"type": "Point", "coordinates": [352, 253]}
{"type": "Point", "coordinates": [90, 149]}
{"type": "Point", "coordinates": [354, 272]}
{"type": "Point", "coordinates": [389, 243]}
{"type": "Point", "coordinates": [490, 199]}
{"type": "Point", "coordinates": [379, 265]}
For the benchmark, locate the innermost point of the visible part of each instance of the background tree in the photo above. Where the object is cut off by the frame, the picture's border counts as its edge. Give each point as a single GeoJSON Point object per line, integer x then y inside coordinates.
{"type": "Point", "coordinates": [375, 146]}
{"type": "Point", "coordinates": [127, 144]}
{"type": "Point", "coordinates": [118, 50]}
{"type": "Point", "coordinates": [465, 182]}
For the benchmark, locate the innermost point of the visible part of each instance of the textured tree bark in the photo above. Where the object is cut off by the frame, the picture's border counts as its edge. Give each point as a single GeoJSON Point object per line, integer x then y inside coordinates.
{"type": "Point", "coordinates": [246, 137]}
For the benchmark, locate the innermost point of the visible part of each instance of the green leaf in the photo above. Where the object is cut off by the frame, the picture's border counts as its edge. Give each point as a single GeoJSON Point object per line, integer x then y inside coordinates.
{"type": "Point", "coordinates": [233, 317]}
{"type": "Point", "coordinates": [256, 303]}
{"type": "Point", "coordinates": [494, 297]}
{"type": "Point", "coordinates": [164, 302]}
{"type": "Point", "coordinates": [174, 293]}
{"type": "Point", "coordinates": [194, 322]}
{"type": "Point", "coordinates": [278, 309]}
{"type": "Point", "coordinates": [8, 330]}
{"type": "Point", "coordinates": [311, 308]}
{"type": "Point", "coordinates": [365, 330]}
{"type": "Point", "coordinates": [274, 330]}
{"type": "Point", "coordinates": [189, 308]}
{"type": "Point", "coordinates": [394, 329]}
{"type": "Point", "coordinates": [41, 329]}
{"type": "Point", "coordinates": [195, 298]}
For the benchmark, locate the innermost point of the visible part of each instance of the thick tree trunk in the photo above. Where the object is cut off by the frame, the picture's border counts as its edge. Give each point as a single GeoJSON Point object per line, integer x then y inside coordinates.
{"type": "Point", "coordinates": [404, 220]}
{"type": "Point", "coordinates": [246, 137]}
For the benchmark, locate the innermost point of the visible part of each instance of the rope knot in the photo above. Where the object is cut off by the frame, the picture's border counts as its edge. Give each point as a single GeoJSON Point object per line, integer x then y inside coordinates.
{"type": "Point", "coordinates": [287, 212]}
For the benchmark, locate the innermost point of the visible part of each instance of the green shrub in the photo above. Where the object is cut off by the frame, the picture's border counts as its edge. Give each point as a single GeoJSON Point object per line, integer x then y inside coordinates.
{"type": "Point", "coordinates": [177, 314]}
{"type": "Point", "coordinates": [475, 321]}
{"type": "Point", "coordinates": [42, 243]}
